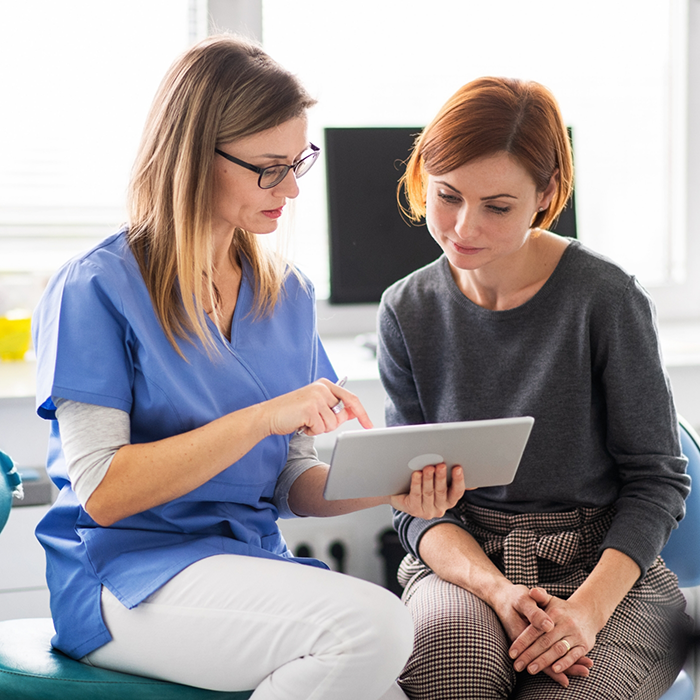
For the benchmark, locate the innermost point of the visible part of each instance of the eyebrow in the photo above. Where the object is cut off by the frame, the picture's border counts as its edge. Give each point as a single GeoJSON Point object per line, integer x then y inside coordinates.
{"type": "Point", "coordinates": [276, 156]}
{"type": "Point", "coordinates": [483, 199]}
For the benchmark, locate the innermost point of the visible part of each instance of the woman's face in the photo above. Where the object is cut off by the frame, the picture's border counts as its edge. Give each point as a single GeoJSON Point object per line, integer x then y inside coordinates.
{"type": "Point", "coordinates": [238, 201]}
{"type": "Point", "coordinates": [481, 212]}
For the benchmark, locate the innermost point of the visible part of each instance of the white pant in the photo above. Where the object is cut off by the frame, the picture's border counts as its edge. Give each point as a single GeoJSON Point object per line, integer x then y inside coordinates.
{"type": "Point", "coordinates": [290, 631]}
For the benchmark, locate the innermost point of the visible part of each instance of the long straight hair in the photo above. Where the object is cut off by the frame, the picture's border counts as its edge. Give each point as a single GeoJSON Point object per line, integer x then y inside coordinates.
{"type": "Point", "coordinates": [222, 89]}
{"type": "Point", "coordinates": [489, 116]}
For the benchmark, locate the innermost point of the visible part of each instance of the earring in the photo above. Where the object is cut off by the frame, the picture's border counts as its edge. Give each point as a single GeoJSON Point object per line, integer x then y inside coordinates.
{"type": "Point", "coordinates": [541, 209]}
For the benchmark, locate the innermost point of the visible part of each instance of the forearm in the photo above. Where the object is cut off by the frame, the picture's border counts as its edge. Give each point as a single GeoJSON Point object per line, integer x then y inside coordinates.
{"type": "Point", "coordinates": [142, 476]}
{"type": "Point", "coordinates": [606, 586]}
{"type": "Point", "coordinates": [455, 556]}
{"type": "Point", "coordinates": [429, 495]}
{"type": "Point", "coordinates": [306, 497]}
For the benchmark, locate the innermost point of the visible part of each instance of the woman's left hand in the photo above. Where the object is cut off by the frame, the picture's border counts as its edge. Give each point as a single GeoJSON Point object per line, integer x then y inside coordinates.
{"type": "Point", "coordinates": [430, 496]}
{"type": "Point", "coordinates": [563, 649]}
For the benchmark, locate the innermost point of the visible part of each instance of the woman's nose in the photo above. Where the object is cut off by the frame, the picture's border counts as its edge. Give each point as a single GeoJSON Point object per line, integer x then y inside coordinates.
{"type": "Point", "coordinates": [464, 225]}
{"type": "Point", "coordinates": [288, 187]}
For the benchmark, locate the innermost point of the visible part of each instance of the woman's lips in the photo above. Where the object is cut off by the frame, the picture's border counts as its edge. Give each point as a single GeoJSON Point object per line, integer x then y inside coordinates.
{"type": "Point", "coordinates": [466, 250]}
{"type": "Point", "coordinates": [273, 213]}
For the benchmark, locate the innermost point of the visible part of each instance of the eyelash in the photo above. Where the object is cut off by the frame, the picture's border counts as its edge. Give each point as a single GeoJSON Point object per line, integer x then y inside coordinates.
{"type": "Point", "coordinates": [451, 199]}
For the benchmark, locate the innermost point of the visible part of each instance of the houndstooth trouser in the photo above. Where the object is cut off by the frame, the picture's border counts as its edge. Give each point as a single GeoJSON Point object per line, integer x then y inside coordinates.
{"type": "Point", "coordinates": [461, 649]}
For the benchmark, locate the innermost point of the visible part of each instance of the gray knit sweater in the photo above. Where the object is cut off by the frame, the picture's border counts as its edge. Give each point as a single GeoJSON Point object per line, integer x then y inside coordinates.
{"type": "Point", "coordinates": [582, 357]}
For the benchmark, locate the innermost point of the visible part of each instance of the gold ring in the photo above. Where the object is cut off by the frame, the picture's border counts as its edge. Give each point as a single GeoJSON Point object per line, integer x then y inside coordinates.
{"type": "Point", "coordinates": [568, 646]}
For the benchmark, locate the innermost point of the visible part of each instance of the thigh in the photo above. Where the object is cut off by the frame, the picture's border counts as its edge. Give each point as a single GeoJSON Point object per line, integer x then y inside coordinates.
{"type": "Point", "coordinates": [460, 648]}
{"type": "Point", "coordinates": [234, 623]}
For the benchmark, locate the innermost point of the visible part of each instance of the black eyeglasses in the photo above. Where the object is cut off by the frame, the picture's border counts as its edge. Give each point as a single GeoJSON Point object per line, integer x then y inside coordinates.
{"type": "Point", "coordinates": [274, 174]}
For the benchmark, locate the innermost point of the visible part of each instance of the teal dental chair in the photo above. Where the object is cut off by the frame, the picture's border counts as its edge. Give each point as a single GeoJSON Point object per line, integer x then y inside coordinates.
{"type": "Point", "coordinates": [31, 669]}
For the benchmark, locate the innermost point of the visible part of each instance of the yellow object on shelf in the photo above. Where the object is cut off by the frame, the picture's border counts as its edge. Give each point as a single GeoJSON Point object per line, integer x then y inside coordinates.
{"type": "Point", "coordinates": [15, 337]}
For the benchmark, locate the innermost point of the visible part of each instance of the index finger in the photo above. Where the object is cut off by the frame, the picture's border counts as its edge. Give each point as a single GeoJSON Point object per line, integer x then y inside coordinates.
{"type": "Point", "coordinates": [537, 617]}
{"type": "Point", "coordinates": [353, 406]}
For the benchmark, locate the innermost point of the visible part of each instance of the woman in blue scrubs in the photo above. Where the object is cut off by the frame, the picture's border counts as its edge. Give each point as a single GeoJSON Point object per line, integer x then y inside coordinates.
{"type": "Point", "coordinates": [181, 369]}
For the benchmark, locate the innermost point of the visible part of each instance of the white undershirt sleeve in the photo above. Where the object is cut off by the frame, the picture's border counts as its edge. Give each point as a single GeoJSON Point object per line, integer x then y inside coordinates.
{"type": "Point", "coordinates": [301, 457]}
{"type": "Point", "coordinates": [90, 436]}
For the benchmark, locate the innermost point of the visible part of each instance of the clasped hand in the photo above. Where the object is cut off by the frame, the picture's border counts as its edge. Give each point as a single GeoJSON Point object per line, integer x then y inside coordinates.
{"type": "Point", "coordinates": [549, 634]}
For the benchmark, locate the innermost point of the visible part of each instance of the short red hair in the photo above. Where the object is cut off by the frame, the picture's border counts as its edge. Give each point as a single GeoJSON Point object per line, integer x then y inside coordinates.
{"type": "Point", "coordinates": [489, 116]}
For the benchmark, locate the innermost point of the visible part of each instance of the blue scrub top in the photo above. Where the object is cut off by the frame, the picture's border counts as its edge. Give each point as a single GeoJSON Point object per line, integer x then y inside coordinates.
{"type": "Point", "coordinates": [98, 341]}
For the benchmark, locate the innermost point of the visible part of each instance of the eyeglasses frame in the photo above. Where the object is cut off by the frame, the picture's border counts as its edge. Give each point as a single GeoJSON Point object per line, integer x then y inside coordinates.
{"type": "Point", "coordinates": [315, 150]}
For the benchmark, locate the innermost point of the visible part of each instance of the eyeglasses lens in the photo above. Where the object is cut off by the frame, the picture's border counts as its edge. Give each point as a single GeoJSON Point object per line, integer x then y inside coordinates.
{"type": "Point", "coordinates": [273, 176]}
{"type": "Point", "coordinates": [304, 165]}
{"type": "Point", "coordinates": [276, 173]}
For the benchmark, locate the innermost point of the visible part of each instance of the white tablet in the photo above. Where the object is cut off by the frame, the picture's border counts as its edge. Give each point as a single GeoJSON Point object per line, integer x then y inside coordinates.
{"type": "Point", "coordinates": [380, 461]}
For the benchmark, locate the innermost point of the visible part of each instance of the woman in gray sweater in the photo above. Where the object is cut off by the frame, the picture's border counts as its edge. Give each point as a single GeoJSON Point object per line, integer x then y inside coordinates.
{"type": "Point", "coordinates": [555, 579]}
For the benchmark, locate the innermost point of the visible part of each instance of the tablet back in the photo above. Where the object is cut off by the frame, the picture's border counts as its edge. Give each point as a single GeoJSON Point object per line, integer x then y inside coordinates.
{"type": "Point", "coordinates": [379, 462]}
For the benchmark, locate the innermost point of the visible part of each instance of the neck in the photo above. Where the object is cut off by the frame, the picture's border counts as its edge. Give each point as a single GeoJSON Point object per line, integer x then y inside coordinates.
{"type": "Point", "coordinates": [511, 281]}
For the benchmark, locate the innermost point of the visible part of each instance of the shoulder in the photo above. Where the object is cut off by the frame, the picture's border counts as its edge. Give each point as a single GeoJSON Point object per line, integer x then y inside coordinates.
{"type": "Point", "coordinates": [297, 292]}
{"type": "Point", "coordinates": [110, 260]}
{"type": "Point", "coordinates": [592, 269]}
{"type": "Point", "coordinates": [421, 287]}
{"type": "Point", "coordinates": [604, 292]}
{"type": "Point", "coordinates": [104, 279]}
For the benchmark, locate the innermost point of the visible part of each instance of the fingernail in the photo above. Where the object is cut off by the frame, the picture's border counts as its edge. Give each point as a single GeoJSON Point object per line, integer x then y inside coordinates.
{"type": "Point", "coordinates": [557, 668]}
{"type": "Point", "coordinates": [512, 653]}
{"type": "Point", "coordinates": [519, 665]}
{"type": "Point", "coordinates": [547, 625]}
{"type": "Point", "coordinates": [533, 669]}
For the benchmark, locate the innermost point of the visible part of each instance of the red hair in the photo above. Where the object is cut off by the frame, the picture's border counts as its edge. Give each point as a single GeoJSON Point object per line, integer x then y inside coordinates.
{"type": "Point", "coordinates": [489, 116]}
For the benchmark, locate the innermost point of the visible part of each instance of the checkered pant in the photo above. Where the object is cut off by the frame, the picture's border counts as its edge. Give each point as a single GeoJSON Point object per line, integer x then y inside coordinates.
{"type": "Point", "coordinates": [460, 650]}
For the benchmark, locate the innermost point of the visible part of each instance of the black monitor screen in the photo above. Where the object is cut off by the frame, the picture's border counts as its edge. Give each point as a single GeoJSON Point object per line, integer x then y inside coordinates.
{"type": "Point", "coordinates": [371, 244]}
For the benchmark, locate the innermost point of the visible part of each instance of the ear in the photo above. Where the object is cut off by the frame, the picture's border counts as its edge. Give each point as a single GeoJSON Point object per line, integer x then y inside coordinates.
{"type": "Point", "coordinates": [548, 194]}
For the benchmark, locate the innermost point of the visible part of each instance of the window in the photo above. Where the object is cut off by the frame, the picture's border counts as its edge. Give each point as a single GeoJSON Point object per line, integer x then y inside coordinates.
{"type": "Point", "coordinates": [80, 77]}
{"type": "Point", "coordinates": [77, 82]}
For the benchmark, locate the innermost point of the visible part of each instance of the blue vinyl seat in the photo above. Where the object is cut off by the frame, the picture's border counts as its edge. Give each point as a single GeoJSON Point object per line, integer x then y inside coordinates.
{"type": "Point", "coordinates": [682, 552]}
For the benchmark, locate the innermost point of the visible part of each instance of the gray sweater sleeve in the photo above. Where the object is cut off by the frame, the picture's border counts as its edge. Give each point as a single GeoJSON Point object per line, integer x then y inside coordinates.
{"type": "Point", "coordinates": [642, 431]}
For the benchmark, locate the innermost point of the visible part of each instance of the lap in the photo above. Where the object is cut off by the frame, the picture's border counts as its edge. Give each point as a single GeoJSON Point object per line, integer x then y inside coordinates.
{"type": "Point", "coordinates": [229, 622]}
{"type": "Point", "coordinates": [461, 648]}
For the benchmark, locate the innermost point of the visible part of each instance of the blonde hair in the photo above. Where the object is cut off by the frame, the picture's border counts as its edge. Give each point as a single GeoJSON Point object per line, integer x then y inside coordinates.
{"type": "Point", "coordinates": [222, 89]}
{"type": "Point", "coordinates": [489, 116]}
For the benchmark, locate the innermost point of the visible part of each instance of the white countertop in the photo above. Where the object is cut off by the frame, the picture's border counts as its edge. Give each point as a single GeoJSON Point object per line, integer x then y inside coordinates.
{"type": "Point", "coordinates": [680, 345]}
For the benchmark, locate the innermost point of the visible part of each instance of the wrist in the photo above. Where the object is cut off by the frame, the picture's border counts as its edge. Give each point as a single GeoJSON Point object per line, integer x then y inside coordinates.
{"type": "Point", "coordinates": [259, 422]}
{"type": "Point", "coordinates": [496, 594]}
{"type": "Point", "coordinates": [595, 609]}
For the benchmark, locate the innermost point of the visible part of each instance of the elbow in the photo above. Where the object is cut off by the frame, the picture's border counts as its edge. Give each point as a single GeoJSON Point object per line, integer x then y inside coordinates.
{"type": "Point", "coordinates": [102, 519]}
{"type": "Point", "coordinates": [100, 512]}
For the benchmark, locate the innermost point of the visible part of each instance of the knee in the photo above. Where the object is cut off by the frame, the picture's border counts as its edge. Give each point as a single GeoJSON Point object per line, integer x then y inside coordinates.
{"type": "Point", "coordinates": [386, 627]}
{"type": "Point", "coordinates": [454, 657]}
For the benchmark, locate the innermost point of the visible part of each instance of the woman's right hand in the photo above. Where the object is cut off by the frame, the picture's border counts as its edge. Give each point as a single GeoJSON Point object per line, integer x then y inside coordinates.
{"type": "Point", "coordinates": [311, 409]}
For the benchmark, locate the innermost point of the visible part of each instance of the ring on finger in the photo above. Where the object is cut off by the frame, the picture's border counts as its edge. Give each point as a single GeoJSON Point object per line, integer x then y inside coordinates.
{"type": "Point", "coordinates": [568, 646]}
